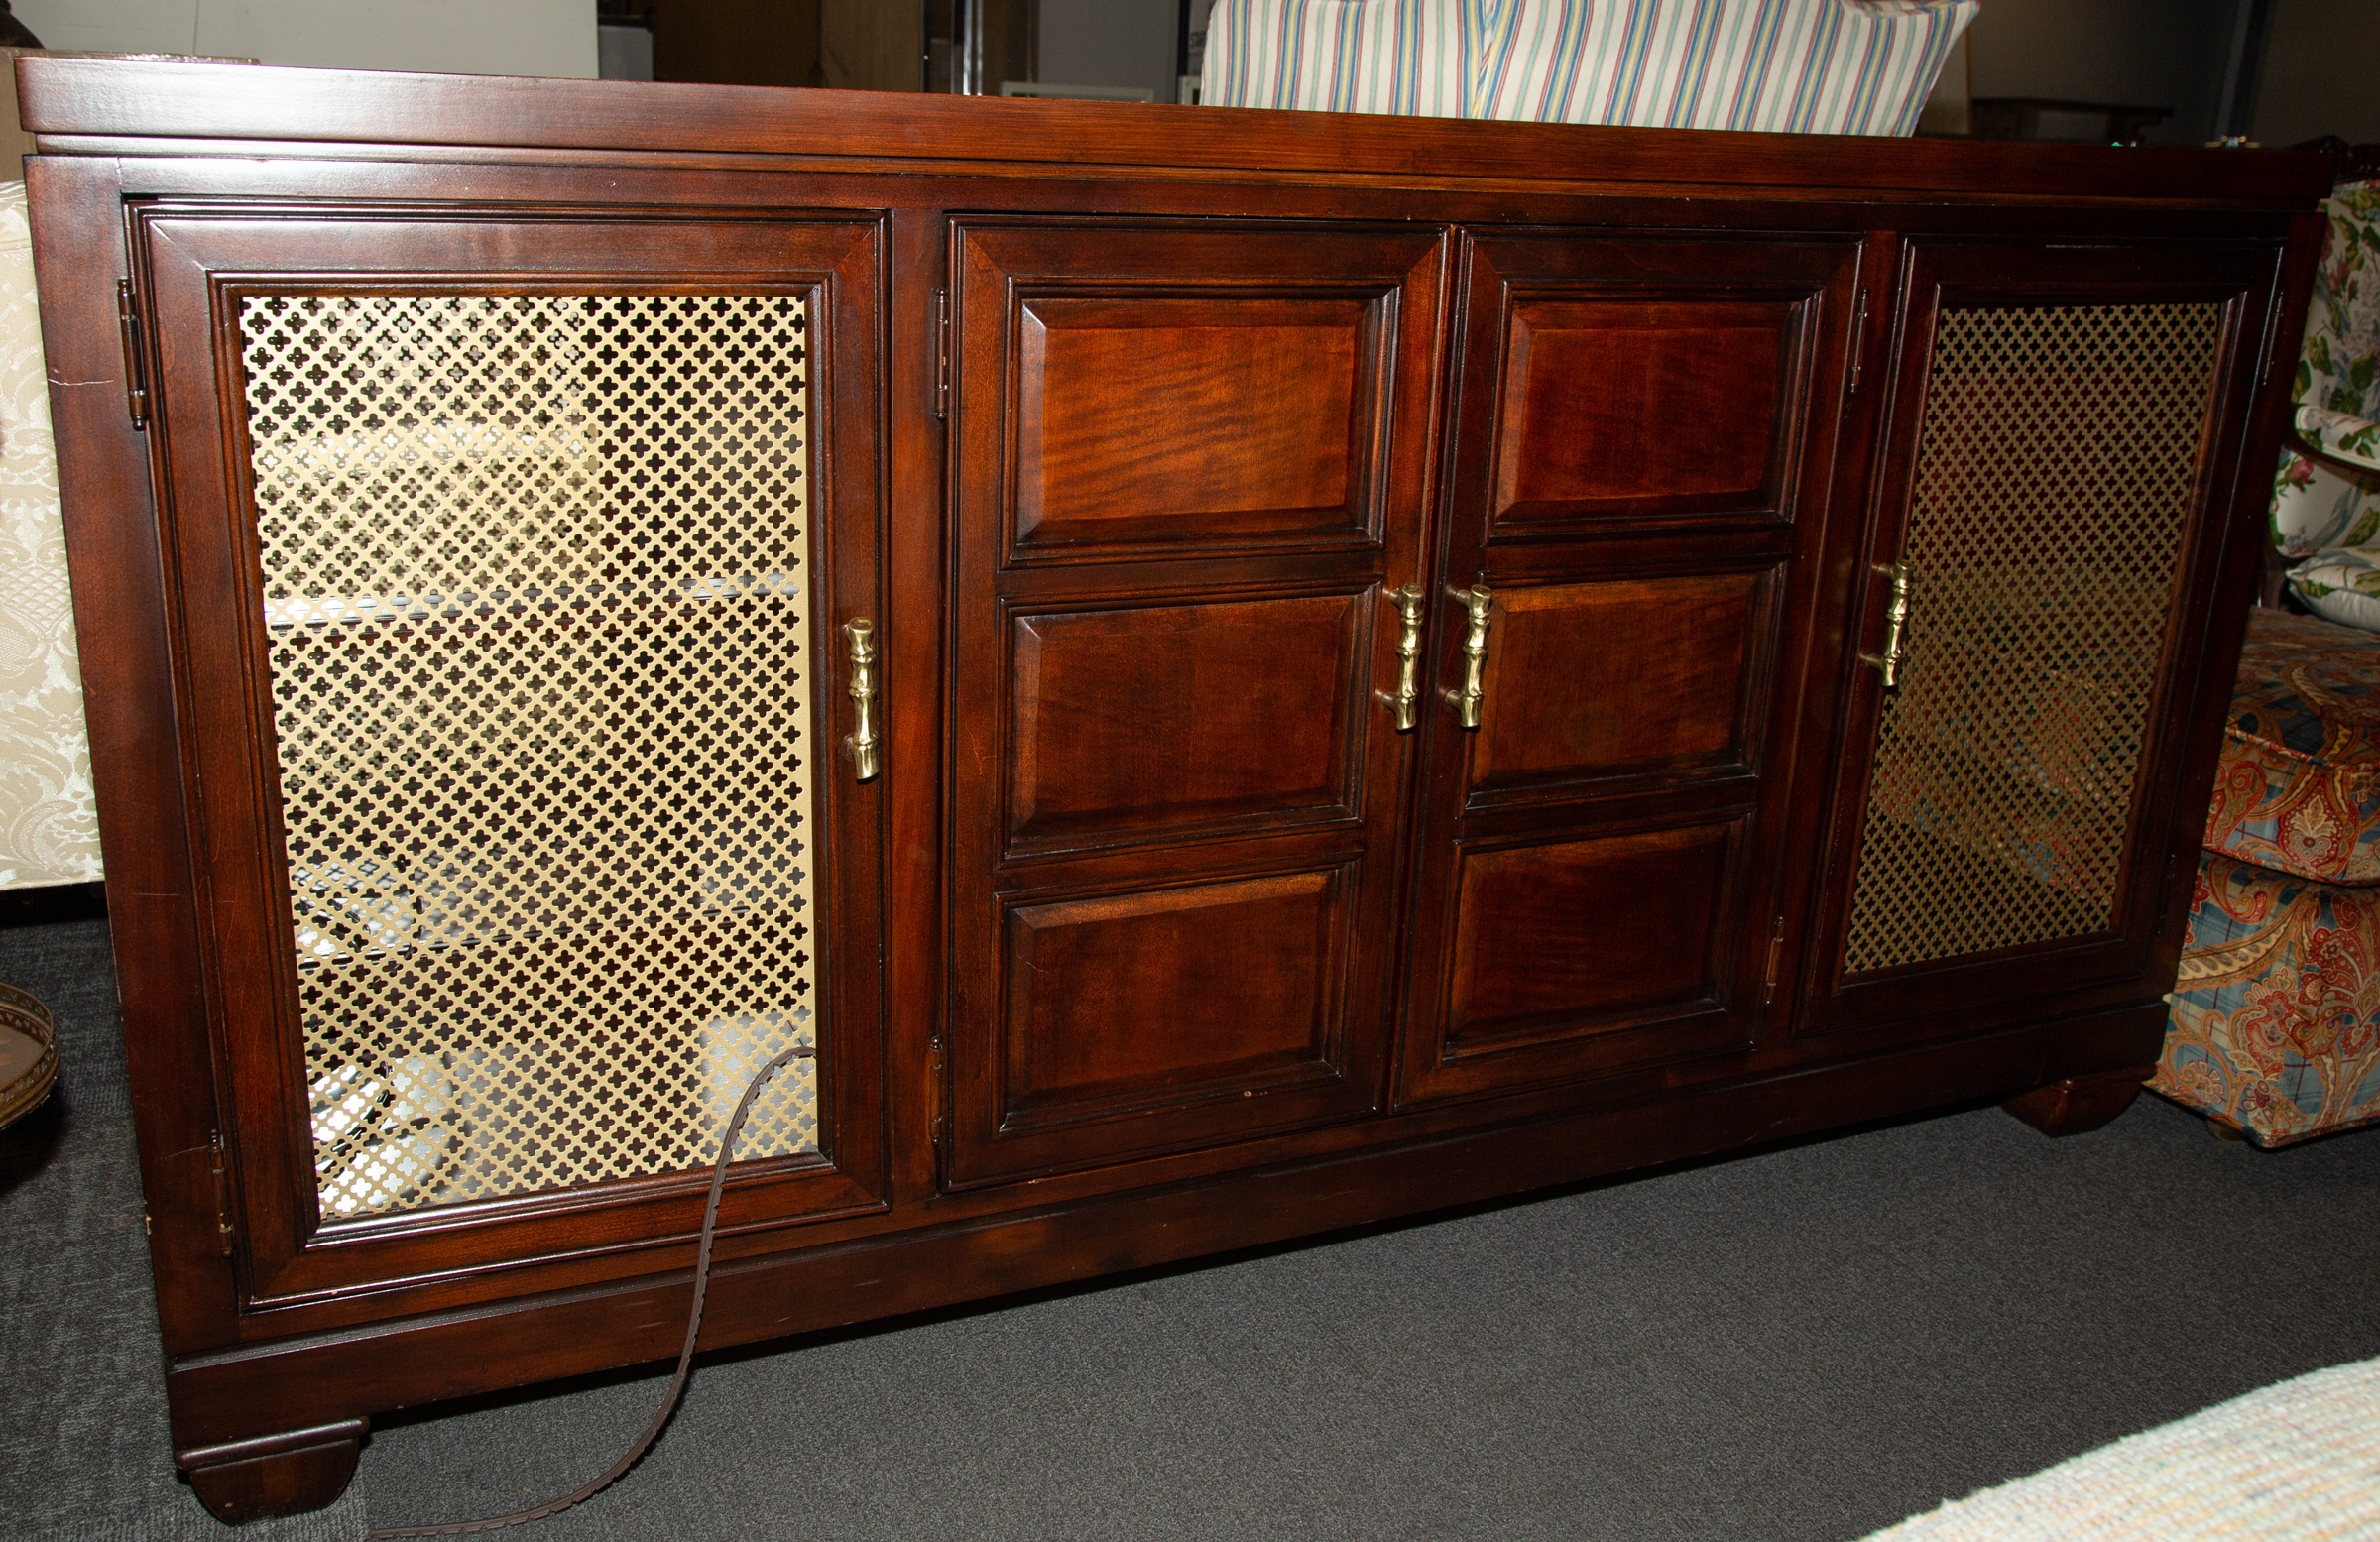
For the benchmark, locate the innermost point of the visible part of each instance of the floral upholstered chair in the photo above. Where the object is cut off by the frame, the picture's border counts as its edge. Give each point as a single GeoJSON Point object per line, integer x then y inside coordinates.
{"type": "Point", "coordinates": [2276, 1021]}
{"type": "Point", "coordinates": [2327, 504]}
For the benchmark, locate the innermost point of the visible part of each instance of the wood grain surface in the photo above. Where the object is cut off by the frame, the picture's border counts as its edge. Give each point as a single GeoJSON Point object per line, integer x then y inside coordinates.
{"type": "Point", "coordinates": [1134, 431]}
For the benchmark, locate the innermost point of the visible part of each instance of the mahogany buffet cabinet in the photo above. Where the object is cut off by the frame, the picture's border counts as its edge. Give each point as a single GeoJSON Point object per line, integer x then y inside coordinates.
{"type": "Point", "coordinates": [1232, 673]}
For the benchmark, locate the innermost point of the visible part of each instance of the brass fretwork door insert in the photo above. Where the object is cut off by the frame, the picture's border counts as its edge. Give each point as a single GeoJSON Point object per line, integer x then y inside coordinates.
{"type": "Point", "coordinates": [543, 664]}
{"type": "Point", "coordinates": [535, 584]}
{"type": "Point", "coordinates": [2028, 605]}
{"type": "Point", "coordinates": [2055, 481]}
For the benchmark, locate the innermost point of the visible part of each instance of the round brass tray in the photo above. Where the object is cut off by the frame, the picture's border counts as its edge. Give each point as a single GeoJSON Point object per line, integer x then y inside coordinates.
{"type": "Point", "coordinates": [28, 1054]}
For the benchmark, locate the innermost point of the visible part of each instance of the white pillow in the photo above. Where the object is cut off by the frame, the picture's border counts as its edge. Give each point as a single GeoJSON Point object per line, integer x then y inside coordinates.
{"type": "Point", "coordinates": [2342, 584]}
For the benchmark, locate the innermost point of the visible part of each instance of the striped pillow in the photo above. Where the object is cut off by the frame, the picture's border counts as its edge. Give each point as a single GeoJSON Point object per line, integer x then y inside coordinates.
{"type": "Point", "coordinates": [1814, 66]}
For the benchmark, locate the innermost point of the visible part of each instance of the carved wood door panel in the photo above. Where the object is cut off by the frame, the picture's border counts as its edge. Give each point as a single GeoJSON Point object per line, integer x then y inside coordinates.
{"type": "Point", "coordinates": [1189, 460]}
{"type": "Point", "coordinates": [510, 557]}
{"type": "Point", "coordinates": [1643, 447]}
{"type": "Point", "coordinates": [2048, 519]}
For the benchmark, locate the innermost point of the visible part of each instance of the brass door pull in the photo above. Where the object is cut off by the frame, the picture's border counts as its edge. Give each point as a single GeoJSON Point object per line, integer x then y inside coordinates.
{"type": "Point", "coordinates": [1896, 619]}
{"type": "Point", "coordinates": [1476, 599]}
{"type": "Point", "coordinates": [860, 633]}
{"type": "Point", "coordinates": [1409, 602]}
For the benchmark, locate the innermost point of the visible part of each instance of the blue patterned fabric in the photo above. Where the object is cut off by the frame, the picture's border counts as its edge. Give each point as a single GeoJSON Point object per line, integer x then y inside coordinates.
{"type": "Point", "coordinates": [2276, 1021]}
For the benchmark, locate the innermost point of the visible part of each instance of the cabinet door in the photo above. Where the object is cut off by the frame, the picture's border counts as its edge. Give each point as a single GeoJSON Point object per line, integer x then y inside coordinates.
{"type": "Point", "coordinates": [1645, 438]}
{"type": "Point", "coordinates": [2063, 445]}
{"type": "Point", "coordinates": [509, 555]}
{"type": "Point", "coordinates": [1190, 459]}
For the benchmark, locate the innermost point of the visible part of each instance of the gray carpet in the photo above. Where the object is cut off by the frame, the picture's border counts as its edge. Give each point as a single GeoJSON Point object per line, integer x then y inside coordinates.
{"type": "Point", "coordinates": [83, 1450]}
{"type": "Point", "coordinates": [1807, 1343]}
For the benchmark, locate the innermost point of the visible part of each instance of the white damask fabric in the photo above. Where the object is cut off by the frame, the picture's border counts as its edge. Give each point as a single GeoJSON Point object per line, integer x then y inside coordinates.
{"type": "Point", "coordinates": [49, 817]}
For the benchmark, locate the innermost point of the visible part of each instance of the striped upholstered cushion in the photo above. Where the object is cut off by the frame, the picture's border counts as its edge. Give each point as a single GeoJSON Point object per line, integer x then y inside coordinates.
{"type": "Point", "coordinates": [1816, 67]}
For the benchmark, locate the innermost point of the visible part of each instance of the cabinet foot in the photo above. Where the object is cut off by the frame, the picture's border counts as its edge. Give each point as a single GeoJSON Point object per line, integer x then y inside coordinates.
{"type": "Point", "coordinates": [2079, 1103]}
{"type": "Point", "coordinates": [287, 1474]}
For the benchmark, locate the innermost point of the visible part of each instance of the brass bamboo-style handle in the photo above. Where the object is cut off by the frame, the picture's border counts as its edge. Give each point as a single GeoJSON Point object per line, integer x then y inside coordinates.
{"type": "Point", "coordinates": [1476, 599]}
{"type": "Point", "coordinates": [860, 633]}
{"type": "Point", "coordinates": [1409, 602]}
{"type": "Point", "coordinates": [1896, 620]}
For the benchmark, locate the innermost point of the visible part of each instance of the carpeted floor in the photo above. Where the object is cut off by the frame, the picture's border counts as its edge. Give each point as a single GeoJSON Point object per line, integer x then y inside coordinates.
{"type": "Point", "coordinates": [1808, 1343]}
{"type": "Point", "coordinates": [83, 1450]}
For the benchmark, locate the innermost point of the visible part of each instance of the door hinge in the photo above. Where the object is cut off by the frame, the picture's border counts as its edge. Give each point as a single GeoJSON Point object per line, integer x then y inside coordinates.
{"type": "Point", "coordinates": [223, 1226]}
{"type": "Point", "coordinates": [136, 368]}
{"type": "Point", "coordinates": [934, 1100]}
{"type": "Point", "coordinates": [942, 355]}
{"type": "Point", "coordinates": [1776, 952]}
{"type": "Point", "coordinates": [1859, 342]}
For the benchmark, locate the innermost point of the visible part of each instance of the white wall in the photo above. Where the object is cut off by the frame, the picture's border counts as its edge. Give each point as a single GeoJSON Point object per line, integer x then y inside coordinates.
{"type": "Point", "coordinates": [1110, 43]}
{"type": "Point", "coordinates": [445, 36]}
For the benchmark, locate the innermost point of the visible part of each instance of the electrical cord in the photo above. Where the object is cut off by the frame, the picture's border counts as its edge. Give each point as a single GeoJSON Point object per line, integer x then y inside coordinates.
{"type": "Point", "coordinates": [685, 1355]}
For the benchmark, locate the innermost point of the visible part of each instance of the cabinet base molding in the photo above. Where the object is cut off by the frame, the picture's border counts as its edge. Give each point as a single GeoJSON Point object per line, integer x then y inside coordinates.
{"type": "Point", "coordinates": [507, 1344]}
{"type": "Point", "coordinates": [2080, 1105]}
{"type": "Point", "coordinates": [287, 1474]}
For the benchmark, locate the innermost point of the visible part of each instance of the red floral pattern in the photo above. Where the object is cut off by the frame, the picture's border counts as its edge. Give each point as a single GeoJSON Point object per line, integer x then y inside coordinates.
{"type": "Point", "coordinates": [2299, 787]}
{"type": "Point", "coordinates": [2276, 1021]}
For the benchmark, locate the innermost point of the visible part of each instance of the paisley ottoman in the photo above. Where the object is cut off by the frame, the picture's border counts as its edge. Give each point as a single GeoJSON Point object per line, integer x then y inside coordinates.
{"type": "Point", "coordinates": [2276, 1021]}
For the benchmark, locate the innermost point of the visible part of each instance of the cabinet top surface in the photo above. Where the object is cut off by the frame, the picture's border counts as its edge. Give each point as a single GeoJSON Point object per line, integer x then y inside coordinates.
{"type": "Point", "coordinates": [100, 105]}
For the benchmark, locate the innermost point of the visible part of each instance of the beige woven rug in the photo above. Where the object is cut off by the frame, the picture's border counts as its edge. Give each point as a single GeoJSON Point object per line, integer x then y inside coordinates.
{"type": "Point", "coordinates": [2295, 1462]}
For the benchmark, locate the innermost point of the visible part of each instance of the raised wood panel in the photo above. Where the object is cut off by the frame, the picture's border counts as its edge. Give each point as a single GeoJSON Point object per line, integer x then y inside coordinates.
{"type": "Point", "coordinates": [1625, 679]}
{"type": "Point", "coordinates": [1127, 390]}
{"type": "Point", "coordinates": [1153, 1000]}
{"type": "Point", "coordinates": [1615, 404]}
{"type": "Point", "coordinates": [1165, 719]}
{"type": "Point", "coordinates": [1176, 421]}
{"type": "Point", "coordinates": [1585, 933]}
{"type": "Point", "coordinates": [1159, 1018]}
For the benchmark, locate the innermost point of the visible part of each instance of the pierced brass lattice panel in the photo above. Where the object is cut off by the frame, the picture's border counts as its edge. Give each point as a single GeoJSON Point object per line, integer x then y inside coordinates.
{"type": "Point", "coordinates": [536, 589]}
{"type": "Point", "coordinates": [2056, 474]}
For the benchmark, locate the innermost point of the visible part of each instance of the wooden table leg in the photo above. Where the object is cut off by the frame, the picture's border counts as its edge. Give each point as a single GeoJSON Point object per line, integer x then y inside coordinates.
{"type": "Point", "coordinates": [2079, 1103]}
{"type": "Point", "coordinates": [277, 1474]}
